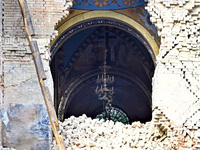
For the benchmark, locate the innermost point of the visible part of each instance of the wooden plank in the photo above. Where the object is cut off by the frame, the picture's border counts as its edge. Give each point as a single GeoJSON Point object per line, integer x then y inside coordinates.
{"type": "Point", "coordinates": [38, 60]}
{"type": "Point", "coordinates": [40, 73]}
{"type": "Point", "coordinates": [51, 106]}
{"type": "Point", "coordinates": [27, 15]}
{"type": "Point", "coordinates": [28, 18]}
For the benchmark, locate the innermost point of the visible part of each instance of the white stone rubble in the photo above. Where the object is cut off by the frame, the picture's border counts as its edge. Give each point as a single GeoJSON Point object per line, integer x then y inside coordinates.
{"type": "Point", "coordinates": [93, 134]}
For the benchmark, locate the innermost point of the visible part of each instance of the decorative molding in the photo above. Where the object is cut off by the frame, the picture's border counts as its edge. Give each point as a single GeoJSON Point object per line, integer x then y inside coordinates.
{"type": "Point", "coordinates": [94, 18]}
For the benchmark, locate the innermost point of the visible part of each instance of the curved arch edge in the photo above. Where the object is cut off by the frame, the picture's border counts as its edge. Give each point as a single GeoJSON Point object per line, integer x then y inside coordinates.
{"type": "Point", "coordinates": [113, 15]}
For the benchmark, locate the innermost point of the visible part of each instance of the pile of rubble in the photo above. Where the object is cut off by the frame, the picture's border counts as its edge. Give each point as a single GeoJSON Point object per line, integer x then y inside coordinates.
{"type": "Point", "coordinates": [86, 133]}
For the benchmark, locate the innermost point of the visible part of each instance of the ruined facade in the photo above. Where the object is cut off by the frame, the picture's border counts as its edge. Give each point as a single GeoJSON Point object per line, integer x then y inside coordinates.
{"type": "Point", "coordinates": [175, 83]}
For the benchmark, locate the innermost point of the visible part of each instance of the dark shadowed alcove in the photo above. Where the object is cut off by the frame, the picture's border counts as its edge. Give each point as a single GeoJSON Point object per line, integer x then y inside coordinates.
{"type": "Point", "coordinates": [76, 65]}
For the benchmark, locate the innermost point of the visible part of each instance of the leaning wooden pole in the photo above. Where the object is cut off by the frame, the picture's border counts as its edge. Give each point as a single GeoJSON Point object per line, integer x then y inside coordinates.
{"type": "Point", "coordinates": [40, 73]}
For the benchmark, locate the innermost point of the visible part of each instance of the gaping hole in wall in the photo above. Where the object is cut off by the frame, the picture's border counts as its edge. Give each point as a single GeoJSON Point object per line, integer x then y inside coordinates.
{"type": "Point", "coordinates": [99, 66]}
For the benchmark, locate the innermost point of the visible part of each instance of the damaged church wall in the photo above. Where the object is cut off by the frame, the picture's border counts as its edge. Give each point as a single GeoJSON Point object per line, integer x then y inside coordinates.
{"type": "Point", "coordinates": [176, 82]}
{"type": "Point", "coordinates": [19, 84]}
{"type": "Point", "coordinates": [19, 69]}
{"type": "Point", "coordinates": [175, 123]}
{"type": "Point", "coordinates": [1, 72]}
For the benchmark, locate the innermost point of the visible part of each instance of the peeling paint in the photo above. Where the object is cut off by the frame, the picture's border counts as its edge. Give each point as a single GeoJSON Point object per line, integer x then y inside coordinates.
{"type": "Point", "coordinates": [28, 127]}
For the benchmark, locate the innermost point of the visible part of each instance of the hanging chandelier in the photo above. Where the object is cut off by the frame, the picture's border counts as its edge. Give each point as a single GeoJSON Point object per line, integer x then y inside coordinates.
{"type": "Point", "coordinates": [103, 91]}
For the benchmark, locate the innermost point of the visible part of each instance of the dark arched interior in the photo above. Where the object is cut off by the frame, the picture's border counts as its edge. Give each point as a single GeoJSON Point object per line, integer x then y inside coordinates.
{"type": "Point", "coordinates": [75, 67]}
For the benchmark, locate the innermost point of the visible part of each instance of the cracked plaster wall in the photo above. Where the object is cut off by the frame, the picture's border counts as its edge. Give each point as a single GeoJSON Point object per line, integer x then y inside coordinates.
{"type": "Point", "coordinates": [19, 84]}
{"type": "Point", "coordinates": [28, 128]}
{"type": "Point", "coordinates": [1, 73]}
{"type": "Point", "coordinates": [20, 79]}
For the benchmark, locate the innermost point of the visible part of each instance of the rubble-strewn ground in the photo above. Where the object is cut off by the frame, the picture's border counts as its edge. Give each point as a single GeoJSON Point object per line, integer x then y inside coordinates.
{"type": "Point", "coordinates": [93, 134]}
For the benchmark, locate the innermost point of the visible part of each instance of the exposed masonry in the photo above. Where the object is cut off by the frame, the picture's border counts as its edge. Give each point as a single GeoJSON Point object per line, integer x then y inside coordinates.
{"type": "Point", "coordinates": [45, 15]}
{"type": "Point", "coordinates": [176, 83]}
{"type": "Point", "coordinates": [20, 80]}
{"type": "Point", "coordinates": [1, 71]}
{"type": "Point", "coordinates": [15, 48]}
{"type": "Point", "coordinates": [1, 65]}
{"type": "Point", "coordinates": [176, 80]}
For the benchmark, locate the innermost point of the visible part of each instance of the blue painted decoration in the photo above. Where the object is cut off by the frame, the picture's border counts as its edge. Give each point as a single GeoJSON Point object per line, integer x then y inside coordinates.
{"type": "Point", "coordinates": [106, 4]}
{"type": "Point", "coordinates": [146, 20]}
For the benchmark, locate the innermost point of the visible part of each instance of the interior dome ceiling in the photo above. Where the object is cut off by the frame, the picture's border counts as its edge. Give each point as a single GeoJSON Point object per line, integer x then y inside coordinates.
{"type": "Point", "coordinates": [75, 68]}
{"type": "Point", "coordinates": [106, 4]}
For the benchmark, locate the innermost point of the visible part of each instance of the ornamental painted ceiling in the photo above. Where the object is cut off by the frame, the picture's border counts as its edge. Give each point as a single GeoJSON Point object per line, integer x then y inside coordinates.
{"type": "Point", "coordinates": [77, 54]}
{"type": "Point", "coordinates": [106, 4]}
{"type": "Point", "coordinates": [139, 14]}
{"type": "Point", "coordinates": [75, 69]}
